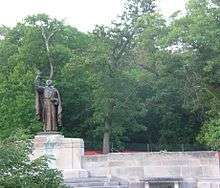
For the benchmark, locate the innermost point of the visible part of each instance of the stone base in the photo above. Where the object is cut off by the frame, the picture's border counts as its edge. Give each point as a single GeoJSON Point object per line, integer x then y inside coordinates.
{"type": "Point", "coordinates": [76, 173]}
{"type": "Point", "coordinates": [65, 153]}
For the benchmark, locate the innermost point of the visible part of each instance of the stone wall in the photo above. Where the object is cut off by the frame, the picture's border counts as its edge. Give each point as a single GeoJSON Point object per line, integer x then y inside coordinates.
{"type": "Point", "coordinates": [208, 183]}
{"type": "Point", "coordinates": [137, 166]}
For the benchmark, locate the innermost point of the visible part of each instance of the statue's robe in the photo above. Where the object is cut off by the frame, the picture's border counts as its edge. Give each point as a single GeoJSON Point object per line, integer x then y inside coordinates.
{"type": "Point", "coordinates": [48, 107]}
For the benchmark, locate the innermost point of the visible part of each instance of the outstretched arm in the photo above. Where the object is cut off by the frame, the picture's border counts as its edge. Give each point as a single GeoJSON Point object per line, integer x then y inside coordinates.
{"type": "Point", "coordinates": [38, 82]}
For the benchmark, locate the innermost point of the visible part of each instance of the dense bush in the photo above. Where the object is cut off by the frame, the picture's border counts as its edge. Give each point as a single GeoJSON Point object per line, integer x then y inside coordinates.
{"type": "Point", "coordinates": [18, 171]}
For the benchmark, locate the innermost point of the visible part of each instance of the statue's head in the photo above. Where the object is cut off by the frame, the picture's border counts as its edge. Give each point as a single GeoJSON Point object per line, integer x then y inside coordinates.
{"type": "Point", "coordinates": [49, 83]}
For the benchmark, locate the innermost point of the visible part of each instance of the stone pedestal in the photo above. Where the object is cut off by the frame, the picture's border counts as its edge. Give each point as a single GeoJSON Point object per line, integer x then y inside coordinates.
{"type": "Point", "coordinates": [65, 153]}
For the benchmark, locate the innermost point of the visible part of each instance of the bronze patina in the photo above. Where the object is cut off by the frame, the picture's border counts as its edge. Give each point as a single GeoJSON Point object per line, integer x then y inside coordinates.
{"type": "Point", "coordinates": [48, 104]}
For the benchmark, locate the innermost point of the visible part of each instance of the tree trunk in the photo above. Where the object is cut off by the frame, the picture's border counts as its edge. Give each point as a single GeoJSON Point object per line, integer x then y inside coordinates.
{"type": "Point", "coordinates": [106, 138]}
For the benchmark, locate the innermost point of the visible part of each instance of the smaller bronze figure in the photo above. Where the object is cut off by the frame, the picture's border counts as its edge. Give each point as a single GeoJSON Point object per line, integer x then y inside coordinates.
{"type": "Point", "coordinates": [48, 104]}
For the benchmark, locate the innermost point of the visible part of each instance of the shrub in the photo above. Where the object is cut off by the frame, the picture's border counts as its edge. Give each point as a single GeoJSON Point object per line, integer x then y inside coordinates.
{"type": "Point", "coordinates": [18, 171]}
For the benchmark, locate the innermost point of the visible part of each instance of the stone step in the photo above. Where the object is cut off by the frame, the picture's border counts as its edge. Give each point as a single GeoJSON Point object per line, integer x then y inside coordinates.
{"type": "Point", "coordinates": [95, 182]}
{"type": "Point", "coordinates": [90, 179]}
{"type": "Point", "coordinates": [85, 184]}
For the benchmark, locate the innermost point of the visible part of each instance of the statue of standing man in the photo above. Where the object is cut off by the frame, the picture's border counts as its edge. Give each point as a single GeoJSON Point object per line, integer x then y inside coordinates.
{"type": "Point", "coordinates": [48, 105]}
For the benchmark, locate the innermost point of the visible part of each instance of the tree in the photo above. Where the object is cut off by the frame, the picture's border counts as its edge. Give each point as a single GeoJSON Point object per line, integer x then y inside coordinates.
{"type": "Point", "coordinates": [197, 34]}
{"type": "Point", "coordinates": [177, 90]}
{"type": "Point", "coordinates": [140, 76]}
{"type": "Point", "coordinates": [210, 134]}
{"type": "Point", "coordinates": [22, 53]}
{"type": "Point", "coordinates": [114, 98]}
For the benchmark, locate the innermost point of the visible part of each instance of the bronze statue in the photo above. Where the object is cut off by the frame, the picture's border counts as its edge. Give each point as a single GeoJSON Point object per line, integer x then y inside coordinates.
{"type": "Point", "coordinates": [48, 104]}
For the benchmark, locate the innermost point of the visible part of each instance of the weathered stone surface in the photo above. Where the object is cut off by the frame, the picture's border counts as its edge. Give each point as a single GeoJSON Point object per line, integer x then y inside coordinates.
{"type": "Point", "coordinates": [69, 157]}
{"type": "Point", "coordinates": [210, 171]}
{"type": "Point", "coordinates": [97, 165]}
{"type": "Point", "coordinates": [189, 183]}
{"type": "Point", "coordinates": [160, 171]}
{"type": "Point", "coordinates": [126, 156]}
{"type": "Point", "coordinates": [96, 182]}
{"type": "Point", "coordinates": [136, 184]}
{"type": "Point", "coordinates": [190, 171]}
{"type": "Point", "coordinates": [132, 173]}
{"type": "Point", "coordinates": [133, 166]}
{"type": "Point", "coordinates": [208, 183]}
{"type": "Point", "coordinates": [96, 158]}
{"type": "Point", "coordinates": [66, 153]}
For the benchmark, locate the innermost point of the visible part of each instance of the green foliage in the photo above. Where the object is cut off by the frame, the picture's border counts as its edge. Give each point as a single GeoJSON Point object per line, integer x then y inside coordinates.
{"type": "Point", "coordinates": [115, 102]}
{"type": "Point", "coordinates": [17, 170]}
{"type": "Point", "coordinates": [22, 53]}
{"type": "Point", "coordinates": [210, 134]}
{"type": "Point", "coordinates": [196, 38]}
{"type": "Point", "coordinates": [17, 97]}
{"type": "Point", "coordinates": [139, 80]}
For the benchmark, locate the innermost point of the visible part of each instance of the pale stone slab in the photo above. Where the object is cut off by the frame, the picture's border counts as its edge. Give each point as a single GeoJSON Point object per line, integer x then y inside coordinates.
{"type": "Point", "coordinates": [128, 173]}
{"type": "Point", "coordinates": [134, 166]}
{"type": "Point", "coordinates": [66, 153]}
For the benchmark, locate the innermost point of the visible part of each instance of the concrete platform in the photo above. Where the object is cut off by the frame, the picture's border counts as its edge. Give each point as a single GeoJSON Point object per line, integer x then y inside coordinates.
{"type": "Point", "coordinates": [65, 153]}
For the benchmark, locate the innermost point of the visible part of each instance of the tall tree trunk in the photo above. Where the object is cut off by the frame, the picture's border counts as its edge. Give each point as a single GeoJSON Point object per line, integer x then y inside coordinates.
{"type": "Point", "coordinates": [106, 138]}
